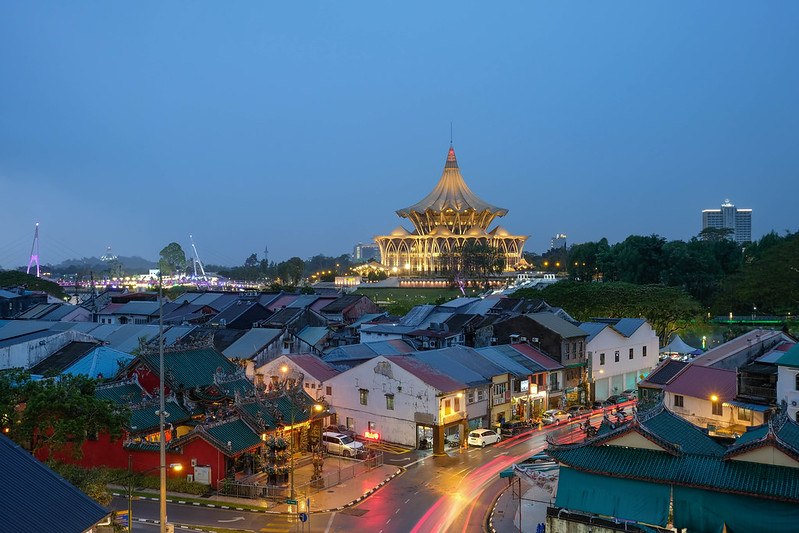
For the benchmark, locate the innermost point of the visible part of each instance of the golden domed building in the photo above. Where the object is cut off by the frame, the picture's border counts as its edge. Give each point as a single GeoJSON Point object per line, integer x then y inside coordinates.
{"type": "Point", "coordinates": [447, 219]}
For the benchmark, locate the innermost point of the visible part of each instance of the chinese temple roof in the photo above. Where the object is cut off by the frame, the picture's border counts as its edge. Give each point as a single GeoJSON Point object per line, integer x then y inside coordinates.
{"type": "Point", "coordinates": [451, 193]}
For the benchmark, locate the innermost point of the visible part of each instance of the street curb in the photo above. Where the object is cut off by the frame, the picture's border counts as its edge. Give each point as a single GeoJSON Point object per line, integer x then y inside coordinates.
{"type": "Point", "coordinates": [400, 470]}
{"type": "Point", "coordinates": [488, 525]}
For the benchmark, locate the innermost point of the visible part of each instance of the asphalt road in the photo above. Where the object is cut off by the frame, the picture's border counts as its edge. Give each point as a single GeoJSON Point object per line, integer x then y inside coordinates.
{"type": "Point", "coordinates": [446, 493]}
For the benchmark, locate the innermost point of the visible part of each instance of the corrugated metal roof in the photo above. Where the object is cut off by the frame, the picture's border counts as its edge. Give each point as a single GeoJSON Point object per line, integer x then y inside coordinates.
{"type": "Point", "coordinates": [628, 326]}
{"type": "Point", "coordinates": [303, 300]}
{"type": "Point", "coordinates": [313, 366]}
{"type": "Point", "coordinates": [502, 360]}
{"type": "Point", "coordinates": [37, 499]}
{"type": "Point", "coordinates": [593, 329]}
{"type": "Point", "coordinates": [313, 335]}
{"type": "Point", "coordinates": [560, 326]}
{"type": "Point", "coordinates": [417, 315]}
{"type": "Point", "coordinates": [665, 372]}
{"type": "Point", "coordinates": [462, 364]}
{"type": "Point", "coordinates": [252, 342]}
{"type": "Point", "coordinates": [102, 361]}
{"type": "Point", "coordinates": [139, 308]}
{"type": "Point", "coordinates": [426, 373]}
{"type": "Point", "coordinates": [790, 359]}
{"type": "Point", "coordinates": [703, 382]}
{"type": "Point", "coordinates": [538, 356]}
{"type": "Point", "coordinates": [283, 301]}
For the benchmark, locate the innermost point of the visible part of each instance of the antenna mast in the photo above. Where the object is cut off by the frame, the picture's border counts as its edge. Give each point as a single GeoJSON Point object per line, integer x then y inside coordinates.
{"type": "Point", "coordinates": [197, 261]}
{"type": "Point", "coordinates": [34, 252]}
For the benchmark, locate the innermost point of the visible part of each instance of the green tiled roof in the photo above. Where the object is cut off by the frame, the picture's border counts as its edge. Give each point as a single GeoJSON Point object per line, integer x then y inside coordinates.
{"type": "Point", "coordinates": [704, 471]}
{"type": "Point", "coordinates": [790, 358]}
{"type": "Point", "coordinates": [254, 409]}
{"type": "Point", "coordinates": [679, 431]}
{"type": "Point", "coordinates": [190, 368]}
{"type": "Point", "coordinates": [240, 436]}
{"type": "Point", "coordinates": [145, 418]}
{"type": "Point", "coordinates": [780, 431]}
{"type": "Point", "coordinates": [126, 394]}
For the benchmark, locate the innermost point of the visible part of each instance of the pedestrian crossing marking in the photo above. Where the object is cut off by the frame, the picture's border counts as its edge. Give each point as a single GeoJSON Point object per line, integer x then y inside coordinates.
{"type": "Point", "coordinates": [385, 447]}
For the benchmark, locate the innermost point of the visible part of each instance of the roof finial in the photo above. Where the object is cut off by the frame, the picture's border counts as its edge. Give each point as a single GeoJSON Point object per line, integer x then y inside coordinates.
{"type": "Point", "coordinates": [450, 133]}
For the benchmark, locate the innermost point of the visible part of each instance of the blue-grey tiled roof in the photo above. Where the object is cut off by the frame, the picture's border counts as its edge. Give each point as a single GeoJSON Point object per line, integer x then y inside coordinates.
{"type": "Point", "coordinates": [628, 326]}
{"type": "Point", "coordinates": [39, 499]}
{"type": "Point", "coordinates": [593, 329]}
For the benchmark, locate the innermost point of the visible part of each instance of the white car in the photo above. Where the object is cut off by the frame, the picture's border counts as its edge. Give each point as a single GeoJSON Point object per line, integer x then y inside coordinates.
{"type": "Point", "coordinates": [554, 416]}
{"type": "Point", "coordinates": [481, 437]}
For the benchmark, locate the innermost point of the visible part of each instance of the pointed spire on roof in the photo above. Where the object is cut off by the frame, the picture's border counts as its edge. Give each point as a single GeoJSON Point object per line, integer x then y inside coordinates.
{"type": "Point", "coordinates": [452, 193]}
{"type": "Point", "coordinates": [451, 161]}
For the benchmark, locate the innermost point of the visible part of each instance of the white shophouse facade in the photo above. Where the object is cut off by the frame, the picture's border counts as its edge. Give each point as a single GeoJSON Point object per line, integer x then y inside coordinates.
{"type": "Point", "coordinates": [402, 399]}
{"type": "Point", "coordinates": [619, 354]}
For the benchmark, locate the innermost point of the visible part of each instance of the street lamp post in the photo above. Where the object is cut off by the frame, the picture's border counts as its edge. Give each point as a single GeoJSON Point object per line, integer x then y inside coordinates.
{"type": "Point", "coordinates": [285, 370]}
{"type": "Point", "coordinates": [161, 414]}
{"type": "Point", "coordinates": [175, 466]}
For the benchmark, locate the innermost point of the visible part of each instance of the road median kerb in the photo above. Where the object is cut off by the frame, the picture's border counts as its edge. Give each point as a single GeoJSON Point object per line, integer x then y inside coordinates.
{"type": "Point", "coordinates": [254, 509]}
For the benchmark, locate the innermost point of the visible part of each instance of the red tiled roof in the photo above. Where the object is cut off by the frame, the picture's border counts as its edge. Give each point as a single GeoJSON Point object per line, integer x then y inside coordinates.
{"type": "Point", "coordinates": [314, 366]}
{"type": "Point", "coordinates": [426, 373]}
{"type": "Point", "coordinates": [282, 301]}
{"type": "Point", "coordinates": [700, 381]}
{"type": "Point", "coordinates": [537, 356]}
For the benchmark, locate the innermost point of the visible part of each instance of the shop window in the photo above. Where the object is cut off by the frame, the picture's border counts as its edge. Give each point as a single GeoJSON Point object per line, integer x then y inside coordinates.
{"type": "Point", "coordinates": [447, 407]}
{"type": "Point", "coordinates": [744, 415]}
{"type": "Point", "coordinates": [457, 404]}
{"type": "Point", "coordinates": [718, 410]}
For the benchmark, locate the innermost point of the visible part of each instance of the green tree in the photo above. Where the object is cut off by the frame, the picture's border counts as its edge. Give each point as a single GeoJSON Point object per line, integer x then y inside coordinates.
{"type": "Point", "coordinates": [173, 260]}
{"type": "Point", "coordinates": [58, 414]}
{"type": "Point", "coordinates": [14, 278]}
{"type": "Point", "coordinates": [668, 309]}
{"type": "Point", "coordinates": [291, 271]}
{"type": "Point", "coordinates": [716, 234]}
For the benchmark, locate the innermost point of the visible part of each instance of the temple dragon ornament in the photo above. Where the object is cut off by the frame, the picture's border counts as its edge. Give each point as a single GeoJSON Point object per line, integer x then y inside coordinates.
{"type": "Point", "coordinates": [448, 219]}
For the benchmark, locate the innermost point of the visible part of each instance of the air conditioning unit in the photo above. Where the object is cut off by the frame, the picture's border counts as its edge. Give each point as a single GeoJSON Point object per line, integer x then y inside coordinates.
{"type": "Point", "coordinates": [194, 462]}
{"type": "Point", "coordinates": [493, 340]}
{"type": "Point", "coordinates": [190, 478]}
{"type": "Point", "coordinates": [522, 339]}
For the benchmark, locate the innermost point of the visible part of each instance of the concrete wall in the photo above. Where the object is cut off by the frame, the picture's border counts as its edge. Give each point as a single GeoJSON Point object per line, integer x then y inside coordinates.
{"type": "Point", "coordinates": [415, 402]}
{"type": "Point", "coordinates": [787, 391]}
{"type": "Point", "coordinates": [612, 377]}
{"type": "Point", "coordinates": [28, 353]}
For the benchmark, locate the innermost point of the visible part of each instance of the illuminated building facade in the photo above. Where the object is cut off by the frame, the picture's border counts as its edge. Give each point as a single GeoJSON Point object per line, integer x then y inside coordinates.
{"type": "Point", "coordinates": [448, 218]}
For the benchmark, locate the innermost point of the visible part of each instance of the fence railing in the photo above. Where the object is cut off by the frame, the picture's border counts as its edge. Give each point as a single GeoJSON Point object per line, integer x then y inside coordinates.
{"type": "Point", "coordinates": [346, 469]}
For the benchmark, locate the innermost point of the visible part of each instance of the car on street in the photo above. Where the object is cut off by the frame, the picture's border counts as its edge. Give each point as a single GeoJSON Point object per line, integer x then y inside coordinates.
{"type": "Point", "coordinates": [340, 429]}
{"type": "Point", "coordinates": [339, 444]}
{"type": "Point", "coordinates": [616, 398]}
{"type": "Point", "coordinates": [578, 410]}
{"type": "Point", "coordinates": [511, 429]}
{"type": "Point", "coordinates": [481, 437]}
{"type": "Point", "coordinates": [554, 416]}
{"type": "Point", "coordinates": [630, 394]}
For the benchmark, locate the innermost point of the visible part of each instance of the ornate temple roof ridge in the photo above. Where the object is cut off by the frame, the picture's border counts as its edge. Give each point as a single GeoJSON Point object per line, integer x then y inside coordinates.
{"type": "Point", "coordinates": [451, 192]}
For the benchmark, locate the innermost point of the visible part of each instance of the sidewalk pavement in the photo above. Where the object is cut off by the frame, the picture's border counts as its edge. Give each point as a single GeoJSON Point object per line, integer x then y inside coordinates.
{"type": "Point", "coordinates": [505, 516]}
{"type": "Point", "coordinates": [331, 498]}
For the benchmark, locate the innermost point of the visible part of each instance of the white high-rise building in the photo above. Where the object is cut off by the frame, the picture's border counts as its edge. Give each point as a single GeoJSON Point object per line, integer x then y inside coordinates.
{"type": "Point", "coordinates": [738, 220]}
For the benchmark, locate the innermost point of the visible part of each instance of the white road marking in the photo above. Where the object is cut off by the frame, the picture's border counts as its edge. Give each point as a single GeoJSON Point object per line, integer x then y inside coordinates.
{"type": "Point", "coordinates": [233, 519]}
{"type": "Point", "coordinates": [330, 522]}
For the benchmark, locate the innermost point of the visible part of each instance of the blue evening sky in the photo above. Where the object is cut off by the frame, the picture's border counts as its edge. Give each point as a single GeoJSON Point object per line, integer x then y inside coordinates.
{"type": "Point", "coordinates": [303, 126]}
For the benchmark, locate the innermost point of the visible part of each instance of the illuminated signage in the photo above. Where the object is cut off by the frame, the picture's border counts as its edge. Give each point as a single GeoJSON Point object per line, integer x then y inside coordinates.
{"type": "Point", "coordinates": [371, 435]}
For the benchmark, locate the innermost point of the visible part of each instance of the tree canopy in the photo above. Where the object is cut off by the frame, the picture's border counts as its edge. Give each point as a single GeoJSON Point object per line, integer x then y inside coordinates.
{"type": "Point", "coordinates": [14, 278]}
{"type": "Point", "coordinates": [173, 260]}
{"type": "Point", "coordinates": [668, 309]}
{"type": "Point", "coordinates": [55, 414]}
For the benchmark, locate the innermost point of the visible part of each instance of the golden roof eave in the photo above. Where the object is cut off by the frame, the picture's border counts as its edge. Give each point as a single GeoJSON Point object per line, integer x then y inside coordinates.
{"type": "Point", "coordinates": [451, 194]}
